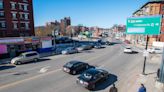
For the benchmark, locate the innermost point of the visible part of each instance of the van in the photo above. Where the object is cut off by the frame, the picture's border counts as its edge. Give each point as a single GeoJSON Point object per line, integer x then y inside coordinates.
{"type": "Point", "coordinates": [25, 57]}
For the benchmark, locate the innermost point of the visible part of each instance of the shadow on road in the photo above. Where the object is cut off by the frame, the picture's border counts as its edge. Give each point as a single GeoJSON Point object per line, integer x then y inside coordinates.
{"type": "Point", "coordinates": [135, 52]}
{"type": "Point", "coordinates": [4, 67]}
{"type": "Point", "coordinates": [88, 51]}
{"type": "Point", "coordinates": [111, 80]}
{"type": "Point", "coordinates": [40, 60]}
{"type": "Point", "coordinates": [151, 73]}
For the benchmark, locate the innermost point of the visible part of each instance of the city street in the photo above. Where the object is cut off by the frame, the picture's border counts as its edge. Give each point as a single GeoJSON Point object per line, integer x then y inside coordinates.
{"type": "Point", "coordinates": [47, 75]}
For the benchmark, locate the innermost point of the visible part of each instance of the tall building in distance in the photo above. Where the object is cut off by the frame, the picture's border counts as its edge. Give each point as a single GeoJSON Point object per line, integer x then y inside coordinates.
{"type": "Point", "coordinates": [16, 18]}
{"type": "Point", "coordinates": [64, 24]}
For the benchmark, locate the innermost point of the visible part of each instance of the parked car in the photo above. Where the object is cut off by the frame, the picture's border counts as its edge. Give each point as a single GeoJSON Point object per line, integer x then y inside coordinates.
{"type": "Point", "coordinates": [128, 50]}
{"type": "Point", "coordinates": [155, 50]}
{"type": "Point", "coordinates": [25, 57]}
{"type": "Point", "coordinates": [108, 43]}
{"type": "Point", "coordinates": [92, 77]}
{"type": "Point", "coordinates": [70, 50]}
{"type": "Point", "coordinates": [98, 46]}
{"type": "Point", "coordinates": [84, 47]}
{"type": "Point", "coordinates": [74, 67]}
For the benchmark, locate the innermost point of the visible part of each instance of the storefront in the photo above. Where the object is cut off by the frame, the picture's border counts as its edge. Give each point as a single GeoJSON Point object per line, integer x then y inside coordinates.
{"type": "Point", "coordinates": [46, 44]}
{"type": "Point", "coordinates": [9, 47]}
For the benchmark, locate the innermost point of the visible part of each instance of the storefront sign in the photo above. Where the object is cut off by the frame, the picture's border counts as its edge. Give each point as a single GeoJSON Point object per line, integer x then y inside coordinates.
{"type": "Point", "coordinates": [11, 40]}
{"type": "Point", "coordinates": [3, 49]}
{"type": "Point", "coordinates": [32, 40]}
{"type": "Point", "coordinates": [46, 38]}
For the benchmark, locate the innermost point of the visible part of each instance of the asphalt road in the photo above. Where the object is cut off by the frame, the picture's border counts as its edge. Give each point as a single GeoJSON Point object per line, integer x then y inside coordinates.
{"type": "Point", "coordinates": [47, 75]}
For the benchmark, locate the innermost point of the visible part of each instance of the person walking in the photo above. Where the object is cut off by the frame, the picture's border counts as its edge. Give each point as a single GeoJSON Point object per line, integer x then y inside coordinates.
{"type": "Point", "coordinates": [113, 89]}
{"type": "Point", "coordinates": [142, 88]}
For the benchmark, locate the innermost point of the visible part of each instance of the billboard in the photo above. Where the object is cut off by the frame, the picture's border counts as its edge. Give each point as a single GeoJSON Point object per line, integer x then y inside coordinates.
{"type": "Point", "coordinates": [144, 25]}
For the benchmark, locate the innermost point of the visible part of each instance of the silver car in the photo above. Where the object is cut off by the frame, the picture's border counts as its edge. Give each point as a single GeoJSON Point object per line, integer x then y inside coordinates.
{"type": "Point", "coordinates": [25, 57]}
{"type": "Point", "coordinates": [84, 47]}
{"type": "Point", "coordinates": [70, 50]}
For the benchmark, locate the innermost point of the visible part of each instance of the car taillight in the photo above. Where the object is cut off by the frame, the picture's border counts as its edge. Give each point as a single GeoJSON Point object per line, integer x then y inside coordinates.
{"type": "Point", "coordinates": [86, 83]}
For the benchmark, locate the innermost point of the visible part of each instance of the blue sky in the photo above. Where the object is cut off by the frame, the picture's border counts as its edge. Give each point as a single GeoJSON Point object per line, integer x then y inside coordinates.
{"type": "Point", "coordinates": [102, 13]}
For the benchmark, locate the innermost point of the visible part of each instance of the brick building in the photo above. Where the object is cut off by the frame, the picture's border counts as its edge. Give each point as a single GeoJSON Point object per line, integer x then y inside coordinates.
{"type": "Point", "coordinates": [64, 24]}
{"type": "Point", "coordinates": [16, 18]}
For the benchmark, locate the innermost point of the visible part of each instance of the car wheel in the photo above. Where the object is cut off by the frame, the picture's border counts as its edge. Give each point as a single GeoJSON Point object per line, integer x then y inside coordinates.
{"type": "Point", "coordinates": [93, 86]}
{"type": "Point", "coordinates": [18, 63]}
{"type": "Point", "coordinates": [73, 72]}
{"type": "Point", "coordinates": [36, 59]}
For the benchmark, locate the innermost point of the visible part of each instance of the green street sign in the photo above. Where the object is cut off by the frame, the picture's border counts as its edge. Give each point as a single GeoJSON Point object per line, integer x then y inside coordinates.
{"type": "Point", "coordinates": [144, 25]}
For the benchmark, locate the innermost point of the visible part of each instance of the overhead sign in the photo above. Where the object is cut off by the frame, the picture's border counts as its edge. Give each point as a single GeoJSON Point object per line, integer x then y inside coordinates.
{"type": "Point", "coordinates": [144, 25]}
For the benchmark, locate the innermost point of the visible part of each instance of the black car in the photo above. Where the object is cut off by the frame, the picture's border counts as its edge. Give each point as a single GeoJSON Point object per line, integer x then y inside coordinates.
{"type": "Point", "coordinates": [90, 78]}
{"type": "Point", "coordinates": [74, 67]}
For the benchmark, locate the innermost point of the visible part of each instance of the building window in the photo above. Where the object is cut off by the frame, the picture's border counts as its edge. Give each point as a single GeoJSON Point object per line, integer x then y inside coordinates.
{"type": "Point", "coordinates": [2, 14]}
{"type": "Point", "coordinates": [25, 0]}
{"type": "Point", "coordinates": [2, 24]}
{"type": "Point", "coordinates": [21, 16]}
{"type": "Point", "coordinates": [13, 5]}
{"type": "Point", "coordinates": [14, 15]}
{"type": "Point", "coordinates": [25, 7]}
{"type": "Point", "coordinates": [22, 25]}
{"type": "Point", "coordinates": [162, 8]}
{"type": "Point", "coordinates": [1, 4]}
{"type": "Point", "coordinates": [26, 25]}
{"type": "Point", "coordinates": [15, 25]}
{"type": "Point", "coordinates": [26, 16]}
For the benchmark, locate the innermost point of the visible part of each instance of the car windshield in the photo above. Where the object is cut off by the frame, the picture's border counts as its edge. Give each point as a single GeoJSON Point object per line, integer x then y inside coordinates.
{"type": "Point", "coordinates": [69, 65]}
{"type": "Point", "coordinates": [128, 48]}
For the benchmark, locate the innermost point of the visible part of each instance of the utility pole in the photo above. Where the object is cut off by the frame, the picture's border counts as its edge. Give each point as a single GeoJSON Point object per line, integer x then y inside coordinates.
{"type": "Point", "coordinates": [147, 40]}
{"type": "Point", "coordinates": [161, 74]}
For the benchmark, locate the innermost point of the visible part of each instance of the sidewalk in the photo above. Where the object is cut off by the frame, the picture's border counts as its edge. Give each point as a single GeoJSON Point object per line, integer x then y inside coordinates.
{"type": "Point", "coordinates": [7, 61]}
{"type": "Point", "coordinates": [148, 80]}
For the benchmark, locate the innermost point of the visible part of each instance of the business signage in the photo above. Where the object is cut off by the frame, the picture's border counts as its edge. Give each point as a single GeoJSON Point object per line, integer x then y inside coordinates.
{"type": "Point", "coordinates": [144, 25]}
{"type": "Point", "coordinates": [11, 40]}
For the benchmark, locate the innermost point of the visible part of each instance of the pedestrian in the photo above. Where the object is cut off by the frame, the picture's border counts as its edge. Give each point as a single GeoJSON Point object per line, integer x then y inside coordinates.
{"type": "Point", "coordinates": [142, 88]}
{"type": "Point", "coordinates": [113, 89]}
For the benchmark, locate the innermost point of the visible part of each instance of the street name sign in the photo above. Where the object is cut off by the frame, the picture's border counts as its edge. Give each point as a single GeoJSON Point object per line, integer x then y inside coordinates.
{"type": "Point", "coordinates": [144, 25]}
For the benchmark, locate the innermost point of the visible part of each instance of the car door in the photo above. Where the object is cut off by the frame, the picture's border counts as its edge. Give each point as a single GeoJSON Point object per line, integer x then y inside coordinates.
{"type": "Point", "coordinates": [29, 57]}
{"type": "Point", "coordinates": [79, 66]}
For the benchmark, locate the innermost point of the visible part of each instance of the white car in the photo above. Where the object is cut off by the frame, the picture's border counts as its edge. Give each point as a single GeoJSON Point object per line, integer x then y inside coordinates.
{"type": "Point", "coordinates": [155, 50]}
{"type": "Point", "coordinates": [128, 50]}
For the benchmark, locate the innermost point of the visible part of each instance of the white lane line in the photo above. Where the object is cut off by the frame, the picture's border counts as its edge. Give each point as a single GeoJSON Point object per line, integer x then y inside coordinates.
{"type": "Point", "coordinates": [28, 79]}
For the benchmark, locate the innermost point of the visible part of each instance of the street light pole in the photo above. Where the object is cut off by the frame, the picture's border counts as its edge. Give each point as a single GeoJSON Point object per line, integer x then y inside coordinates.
{"type": "Point", "coordinates": [147, 40]}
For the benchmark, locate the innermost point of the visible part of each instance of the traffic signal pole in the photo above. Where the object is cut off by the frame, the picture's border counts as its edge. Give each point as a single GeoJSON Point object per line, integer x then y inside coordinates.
{"type": "Point", "coordinates": [147, 40]}
{"type": "Point", "coordinates": [161, 74]}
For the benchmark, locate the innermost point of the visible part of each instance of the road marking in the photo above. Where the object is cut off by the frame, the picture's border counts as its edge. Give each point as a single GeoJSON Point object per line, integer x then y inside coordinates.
{"type": "Point", "coordinates": [44, 69]}
{"type": "Point", "coordinates": [28, 79]}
